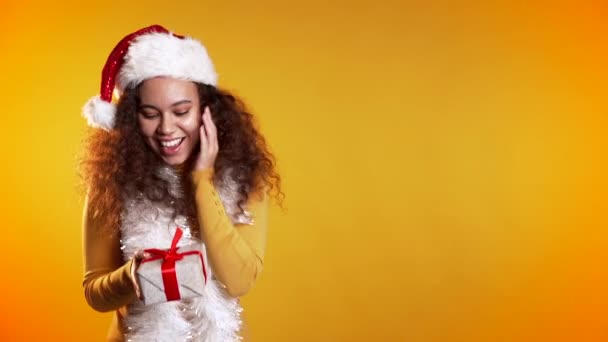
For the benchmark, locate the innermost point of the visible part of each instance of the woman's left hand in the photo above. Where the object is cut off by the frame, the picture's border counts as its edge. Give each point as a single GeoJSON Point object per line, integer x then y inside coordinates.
{"type": "Point", "coordinates": [209, 145]}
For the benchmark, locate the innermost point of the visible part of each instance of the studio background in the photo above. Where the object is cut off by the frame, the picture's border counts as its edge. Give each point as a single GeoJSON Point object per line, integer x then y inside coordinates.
{"type": "Point", "coordinates": [445, 163]}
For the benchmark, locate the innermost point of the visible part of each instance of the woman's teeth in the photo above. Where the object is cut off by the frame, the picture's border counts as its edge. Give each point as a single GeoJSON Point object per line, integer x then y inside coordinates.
{"type": "Point", "coordinates": [171, 143]}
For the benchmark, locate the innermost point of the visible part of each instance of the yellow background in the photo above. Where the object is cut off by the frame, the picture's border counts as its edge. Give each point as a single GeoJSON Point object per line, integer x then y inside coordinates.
{"type": "Point", "coordinates": [445, 163]}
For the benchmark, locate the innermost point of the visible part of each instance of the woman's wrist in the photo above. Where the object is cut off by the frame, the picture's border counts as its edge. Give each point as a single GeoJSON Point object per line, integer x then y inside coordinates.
{"type": "Point", "coordinates": [202, 174]}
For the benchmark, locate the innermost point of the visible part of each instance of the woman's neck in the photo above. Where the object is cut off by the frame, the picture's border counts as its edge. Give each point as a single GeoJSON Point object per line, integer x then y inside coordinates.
{"type": "Point", "coordinates": [180, 169]}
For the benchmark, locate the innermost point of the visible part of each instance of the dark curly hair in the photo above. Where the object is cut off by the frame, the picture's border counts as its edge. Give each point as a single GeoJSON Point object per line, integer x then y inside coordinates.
{"type": "Point", "coordinates": [118, 163]}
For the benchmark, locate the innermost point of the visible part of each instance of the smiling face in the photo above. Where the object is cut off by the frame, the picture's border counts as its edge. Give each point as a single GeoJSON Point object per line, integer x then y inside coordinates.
{"type": "Point", "coordinates": [169, 117]}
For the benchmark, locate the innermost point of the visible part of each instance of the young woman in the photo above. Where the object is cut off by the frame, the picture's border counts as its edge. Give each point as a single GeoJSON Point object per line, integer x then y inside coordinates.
{"type": "Point", "coordinates": [175, 151]}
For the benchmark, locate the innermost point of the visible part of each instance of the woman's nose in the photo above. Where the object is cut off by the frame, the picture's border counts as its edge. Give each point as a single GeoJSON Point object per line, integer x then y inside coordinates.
{"type": "Point", "coordinates": [166, 126]}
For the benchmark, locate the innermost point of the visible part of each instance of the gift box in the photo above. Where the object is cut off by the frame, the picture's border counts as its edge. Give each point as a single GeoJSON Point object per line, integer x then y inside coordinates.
{"type": "Point", "coordinates": [173, 274]}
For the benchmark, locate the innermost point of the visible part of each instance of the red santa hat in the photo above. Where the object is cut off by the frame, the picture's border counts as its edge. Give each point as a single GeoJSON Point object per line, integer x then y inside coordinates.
{"type": "Point", "coordinates": [147, 53]}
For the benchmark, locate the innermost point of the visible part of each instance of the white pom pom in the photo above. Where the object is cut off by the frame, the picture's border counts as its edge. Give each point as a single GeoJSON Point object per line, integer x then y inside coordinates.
{"type": "Point", "coordinates": [99, 113]}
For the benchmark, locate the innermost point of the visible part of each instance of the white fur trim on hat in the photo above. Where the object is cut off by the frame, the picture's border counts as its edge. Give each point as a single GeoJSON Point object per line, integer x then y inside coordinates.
{"type": "Point", "coordinates": [99, 113]}
{"type": "Point", "coordinates": [161, 54]}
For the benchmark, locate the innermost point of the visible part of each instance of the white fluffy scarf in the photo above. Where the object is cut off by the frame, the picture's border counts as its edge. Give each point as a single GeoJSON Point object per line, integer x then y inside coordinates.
{"type": "Point", "coordinates": [213, 317]}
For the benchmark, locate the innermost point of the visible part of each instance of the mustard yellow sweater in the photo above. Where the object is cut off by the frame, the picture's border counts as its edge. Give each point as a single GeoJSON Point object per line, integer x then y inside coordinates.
{"type": "Point", "coordinates": [235, 252]}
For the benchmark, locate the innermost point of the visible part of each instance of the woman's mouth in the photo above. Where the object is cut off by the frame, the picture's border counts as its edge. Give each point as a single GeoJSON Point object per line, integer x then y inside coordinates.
{"type": "Point", "coordinates": [170, 147]}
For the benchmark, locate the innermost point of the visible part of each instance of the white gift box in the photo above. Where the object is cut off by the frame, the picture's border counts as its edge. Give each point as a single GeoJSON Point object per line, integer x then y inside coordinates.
{"type": "Point", "coordinates": [191, 273]}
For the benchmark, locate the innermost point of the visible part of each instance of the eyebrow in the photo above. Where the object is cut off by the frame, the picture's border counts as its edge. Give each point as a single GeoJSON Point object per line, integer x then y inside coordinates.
{"type": "Point", "coordinates": [173, 105]}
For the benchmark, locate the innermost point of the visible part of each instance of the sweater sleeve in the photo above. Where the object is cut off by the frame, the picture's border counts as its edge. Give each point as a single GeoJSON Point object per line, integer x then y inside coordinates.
{"type": "Point", "coordinates": [107, 280]}
{"type": "Point", "coordinates": [235, 252]}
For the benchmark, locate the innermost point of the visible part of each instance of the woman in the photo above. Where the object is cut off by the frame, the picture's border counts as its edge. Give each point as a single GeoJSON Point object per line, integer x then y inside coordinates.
{"type": "Point", "coordinates": [176, 151]}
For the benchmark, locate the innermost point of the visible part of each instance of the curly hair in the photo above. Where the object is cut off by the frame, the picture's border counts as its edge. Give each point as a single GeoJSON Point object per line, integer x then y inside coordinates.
{"type": "Point", "coordinates": [118, 164]}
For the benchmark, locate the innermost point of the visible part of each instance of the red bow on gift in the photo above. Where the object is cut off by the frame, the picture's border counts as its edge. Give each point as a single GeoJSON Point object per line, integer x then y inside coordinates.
{"type": "Point", "coordinates": [169, 257]}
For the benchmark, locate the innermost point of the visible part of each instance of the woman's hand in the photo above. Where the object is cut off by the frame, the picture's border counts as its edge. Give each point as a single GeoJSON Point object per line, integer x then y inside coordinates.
{"type": "Point", "coordinates": [209, 145]}
{"type": "Point", "coordinates": [137, 258]}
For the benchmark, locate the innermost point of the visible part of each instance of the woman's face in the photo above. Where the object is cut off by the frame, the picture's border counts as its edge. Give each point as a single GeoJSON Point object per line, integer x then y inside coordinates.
{"type": "Point", "coordinates": [169, 117]}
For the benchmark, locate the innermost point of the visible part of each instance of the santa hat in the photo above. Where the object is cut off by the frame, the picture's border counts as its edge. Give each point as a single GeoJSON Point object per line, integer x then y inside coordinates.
{"type": "Point", "coordinates": [150, 52]}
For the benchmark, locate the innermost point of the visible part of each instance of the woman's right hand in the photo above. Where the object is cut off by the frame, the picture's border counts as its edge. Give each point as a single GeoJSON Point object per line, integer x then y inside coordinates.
{"type": "Point", "coordinates": [138, 256]}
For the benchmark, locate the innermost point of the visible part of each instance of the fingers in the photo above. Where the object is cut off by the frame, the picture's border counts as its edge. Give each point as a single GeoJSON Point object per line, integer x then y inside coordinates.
{"type": "Point", "coordinates": [209, 144]}
{"type": "Point", "coordinates": [210, 132]}
{"type": "Point", "coordinates": [211, 128]}
{"type": "Point", "coordinates": [138, 256]}
{"type": "Point", "coordinates": [204, 141]}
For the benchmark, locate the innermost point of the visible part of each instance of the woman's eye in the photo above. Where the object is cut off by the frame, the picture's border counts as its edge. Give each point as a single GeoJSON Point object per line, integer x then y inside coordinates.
{"type": "Point", "coordinates": [182, 112]}
{"type": "Point", "coordinates": [149, 115]}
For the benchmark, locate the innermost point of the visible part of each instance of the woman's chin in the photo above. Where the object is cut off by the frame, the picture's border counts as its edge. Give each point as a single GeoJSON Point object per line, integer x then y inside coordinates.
{"type": "Point", "coordinates": [175, 159]}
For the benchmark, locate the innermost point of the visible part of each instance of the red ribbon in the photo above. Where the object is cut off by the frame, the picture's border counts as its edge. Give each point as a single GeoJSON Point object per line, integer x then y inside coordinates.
{"type": "Point", "coordinates": [169, 257]}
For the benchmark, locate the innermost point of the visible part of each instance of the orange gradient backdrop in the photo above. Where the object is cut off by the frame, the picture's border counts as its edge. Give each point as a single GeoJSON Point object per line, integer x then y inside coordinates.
{"type": "Point", "coordinates": [445, 163]}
